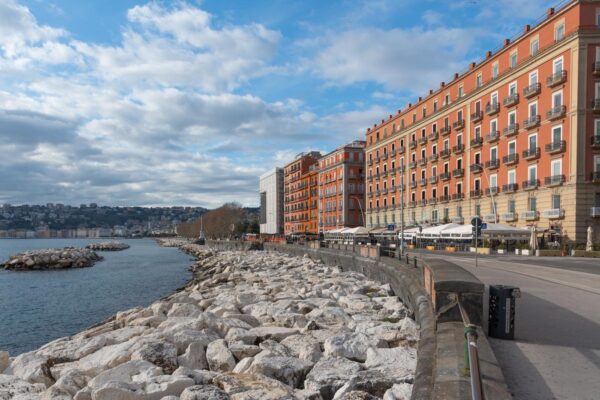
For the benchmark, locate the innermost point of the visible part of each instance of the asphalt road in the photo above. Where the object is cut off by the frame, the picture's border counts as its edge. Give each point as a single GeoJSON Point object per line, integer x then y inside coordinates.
{"type": "Point", "coordinates": [556, 351]}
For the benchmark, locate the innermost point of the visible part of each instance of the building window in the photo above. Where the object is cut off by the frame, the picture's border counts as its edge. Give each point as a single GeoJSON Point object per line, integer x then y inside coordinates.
{"type": "Point", "coordinates": [435, 105]}
{"type": "Point", "coordinates": [556, 201]}
{"type": "Point", "coordinates": [557, 99]}
{"type": "Point", "coordinates": [533, 109]}
{"type": "Point", "coordinates": [513, 60]}
{"type": "Point", "coordinates": [511, 206]}
{"type": "Point", "coordinates": [534, 46]}
{"type": "Point", "coordinates": [424, 112]}
{"type": "Point", "coordinates": [531, 204]}
{"type": "Point", "coordinates": [557, 65]}
{"type": "Point", "coordinates": [512, 118]}
{"type": "Point", "coordinates": [532, 173]}
{"type": "Point", "coordinates": [479, 81]}
{"type": "Point", "coordinates": [414, 117]}
{"type": "Point", "coordinates": [556, 168]}
{"type": "Point", "coordinates": [459, 211]}
{"type": "Point", "coordinates": [494, 98]}
{"type": "Point", "coordinates": [559, 31]}
{"type": "Point", "coordinates": [477, 210]}
{"type": "Point", "coordinates": [598, 17]}
{"type": "Point", "coordinates": [495, 70]}
{"type": "Point", "coordinates": [446, 99]}
{"type": "Point", "coordinates": [557, 134]}
{"type": "Point", "coordinates": [532, 141]}
{"type": "Point", "coordinates": [461, 91]}
{"type": "Point", "coordinates": [533, 78]}
{"type": "Point", "coordinates": [446, 214]}
{"type": "Point", "coordinates": [512, 89]}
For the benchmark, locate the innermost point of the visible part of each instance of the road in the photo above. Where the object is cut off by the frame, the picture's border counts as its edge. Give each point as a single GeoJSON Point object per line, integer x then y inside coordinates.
{"type": "Point", "coordinates": [556, 351]}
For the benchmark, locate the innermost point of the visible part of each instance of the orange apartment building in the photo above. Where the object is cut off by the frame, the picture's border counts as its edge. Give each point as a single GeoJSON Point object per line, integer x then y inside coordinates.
{"type": "Point", "coordinates": [514, 139]}
{"type": "Point", "coordinates": [300, 183]}
{"type": "Point", "coordinates": [342, 187]}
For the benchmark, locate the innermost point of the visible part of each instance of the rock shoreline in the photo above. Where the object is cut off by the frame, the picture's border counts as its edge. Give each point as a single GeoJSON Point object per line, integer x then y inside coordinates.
{"type": "Point", "coordinates": [49, 259]}
{"type": "Point", "coordinates": [108, 246]}
{"type": "Point", "coordinates": [249, 325]}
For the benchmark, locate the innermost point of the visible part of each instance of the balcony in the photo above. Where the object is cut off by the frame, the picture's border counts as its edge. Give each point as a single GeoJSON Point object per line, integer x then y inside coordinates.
{"type": "Point", "coordinates": [458, 149]}
{"type": "Point", "coordinates": [370, 194]}
{"type": "Point", "coordinates": [433, 135]}
{"type": "Point", "coordinates": [511, 100]}
{"type": "Point", "coordinates": [423, 140]}
{"type": "Point", "coordinates": [423, 162]}
{"type": "Point", "coordinates": [492, 108]}
{"type": "Point", "coordinates": [422, 182]}
{"type": "Point", "coordinates": [595, 212]}
{"type": "Point", "coordinates": [412, 203]}
{"type": "Point", "coordinates": [433, 158]}
{"type": "Point", "coordinates": [556, 147]}
{"type": "Point", "coordinates": [412, 184]}
{"type": "Point", "coordinates": [444, 176]}
{"type": "Point", "coordinates": [393, 153]}
{"type": "Point", "coordinates": [554, 180]}
{"type": "Point", "coordinates": [458, 173]}
{"type": "Point", "coordinates": [556, 79]}
{"type": "Point", "coordinates": [596, 177]}
{"type": "Point", "coordinates": [458, 125]}
{"type": "Point", "coordinates": [596, 105]}
{"type": "Point", "coordinates": [532, 122]}
{"type": "Point", "coordinates": [432, 201]}
{"type": "Point", "coordinates": [492, 191]}
{"type": "Point", "coordinates": [530, 215]}
{"type": "Point", "coordinates": [392, 171]}
{"type": "Point", "coordinates": [444, 199]}
{"type": "Point", "coordinates": [492, 164]}
{"type": "Point", "coordinates": [491, 218]}
{"type": "Point", "coordinates": [476, 141]}
{"type": "Point", "coordinates": [370, 162]}
{"type": "Point", "coordinates": [531, 184]}
{"type": "Point", "coordinates": [412, 144]}
{"type": "Point", "coordinates": [510, 188]}
{"type": "Point", "coordinates": [532, 90]}
{"type": "Point", "coordinates": [556, 113]}
{"type": "Point", "coordinates": [445, 130]}
{"type": "Point", "coordinates": [384, 156]}
{"type": "Point", "coordinates": [458, 196]}
{"type": "Point", "coordinates": [510, 130]}
{"type": "Point", "coordinates": [476, 193]}
{"type": "Point", "coordinates": [370, 178]}
{"type": "Point", "coordinates": [433, 179]}
{"type": "Point", "coordinates": [476, 116]}
{"type": "Point", "coordinates": [531, 154]}
{"type": "Point", "coordinates": [492, 137]}
{"type": "Point", "coordinates": [457, 220]}
{"type": "Point", "coordinates": [384, 191]}
{"type": "Point", "coordinates": [510, 159]}
{"type": "Point", "coordinates": [401, 149]}
{"type": "Point", "coordinates": [445, 153]}
{"type": "Point", "coordinates": [509, 217]}
{"type": "Point", "coordinates": [423, 202]}
{"type": "Point", "coordinates": [596, 68]}
{"type": "Point", "coordinates": [554, 213]}
{"type": "Point", "coordinates": [475, 168]}
{"type": "Point", "coordinates": [412, 164]}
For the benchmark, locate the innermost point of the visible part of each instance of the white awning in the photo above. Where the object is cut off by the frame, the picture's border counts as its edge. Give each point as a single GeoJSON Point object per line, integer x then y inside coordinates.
{"type": "Point", "coordinates": [435, 232]}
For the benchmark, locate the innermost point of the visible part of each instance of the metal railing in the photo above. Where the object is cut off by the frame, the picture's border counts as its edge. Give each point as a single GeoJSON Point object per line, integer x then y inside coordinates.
{"type": "Point", "coordinates": [471, 354]}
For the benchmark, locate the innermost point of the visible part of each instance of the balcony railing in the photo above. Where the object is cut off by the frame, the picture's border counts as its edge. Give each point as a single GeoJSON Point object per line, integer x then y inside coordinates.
{"type": "Point", "coordinates": [412, 203]}
{"type": "Point", "coordinates": [457, 220]}
{"type": "Point", "coordinates": [433, 157]}
{"type": "Point", "coordinates": [444, 199]}
{"type": "Point", "coordinates": [423, 202]}
{"type": "Point", "coordinates": [423, 161]}
{"type": "Point", "coordinates": [445, 153]}
{"type": "Point", "coordinates": [476, 193]}
{"type": "Point", "coordinates": [511, 100]}
{"type": "Point", "coordinates": [477, 116]}
{"type": "Point", "coordinates": [530, 184]}
{"type": "Point", "coordinates": [509, 217]}
{"type": "Point", "coordinates": [510, 159]}
{"type": "Point", "coordinates": [370, 162]}
{"type": "Point", "coordinates": [384, 156]}
{"type": "Point", "coordinates": [401, 149]}
{"type": "Point", "coordinates": [432, 200]}
{"type": "Point", "coordinates": [444, 176]}
{"type": "Point", "coordinates": [556, 147]}
{"type": "Point", "coordinates": [458, 149]}
{"type": "Point", "coordinates": [596, 68]}
{"type": "Point", "coordinates": [422, 182]}
{"type": "Point", "coordinates": [595, 212]}
{"type": "Point", "coordinates": [596, 176]}
{"type": "Point", "coordinates": [492, 108]}
{"type": "Point", "coordinates": [445, 130]}
{"type": "Point", "coordinates": [492, 191]}
{"type": "Point", "coordinates": [458, 172]}
{"type": "Point", "coordinates": [530, 215]}
{"type": "Point", "coordinates": [596, 105]}
{"type": "Point", "coordinates": [492, 136]}
{"type": "Point", "coordinates": [476, 141]}
{"type": "Point", "coordinates": [370, 178]}
{"type": "Point", "coordinates": [532, 90]}
{"type": "Point", "coordinates": [393, 153]}
{"type": "Point", "coordinates": [412, 164]}
{"type": "Point", "coordinates": [423, 140]}
{"type": "Point", "coordinates": [556, 113]}
{"type": "Point", "coordinates": [492, 164]}
{"type": "Point", "coordinates": [511, 130]}
{"type": "Point", "coordinates": [459, 124]}
{"type": "Point", "coordinates": [433, 179]}
{"type": "Point", "coordinates": [491, 218]}
{"type": "Point", "coordinates": [458, 196]}
{"type": "Point", "coordinates": [412, 184]}
{"type": "Point", "coordinates": [433, 135]}
{"type": "Point", "coordinates": [554, 213]}
{"type": "Point", "coordinates": [510, 188]}
{"type": "Point", "coordinates": [475, 168]}
{"type": "Point", "coordinates": [532, 122]}
{"type": "Point", "coordinates": [556, 78]}
{"type": "Point", "coordinates": [554, 180]}
{"type": "Point", "coordinates": [531, 154]}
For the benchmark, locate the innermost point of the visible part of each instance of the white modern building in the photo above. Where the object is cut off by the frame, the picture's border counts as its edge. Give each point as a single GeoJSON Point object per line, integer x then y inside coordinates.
{"type": "Point", "coordinates": [271, 202]}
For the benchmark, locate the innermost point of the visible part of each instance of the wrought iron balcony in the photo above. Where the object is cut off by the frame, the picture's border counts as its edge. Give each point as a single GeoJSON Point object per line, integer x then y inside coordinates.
{"type": "Point", "coordinates": [432, 201]}
{"type": "Point", "coordinates": [475, 168]}
{"type": "Point", "coordinates": [444, 199]}
{"type": "Point", "coordinates": [530, 184]}
{"type": "Point", "coordinates": [393, 153]}
{"type": "Point", "coordinates": [433, 157]}
{"type": "Point", "coordinates": [412, 144]}
{"type": "Point", "coordinates": [492, 164]}
{"type": "Point", "coordinates": [556, 112]}
{"type": "Point", "coordinates": [401, 149]}
{"type": "Point", "coordinates": [458, 196]}
{"type": "Point", "coordinates": [509, 217]}
{"type": "Point", "coordinates": [596, 68]}
{"type": "Point", "coordinates": [510, 159]}
{"type": "Point", "coordinates": [458, 149]}
{"type": "Point", "coordinates": [511, 130]}
{"type": "Point", "coordinates": [423, 182]}
{"type": "Point", "coordinates": [532, 122]}
{"type": "Point", "coordinates": [492, 136]}
{"type": "Point", "coordinates": [433, 135]}
{"type": "Point", "coordinates": [370, 178]}
{"type": "Point", "coordinates": [556, 78]}
{"type": "Point", "coordinates": [384, 156]}
{"type": "Point", "coordinates": [554, 213]}
{"type": "Point", "coordinates": [423, 161]}
{"type": "Point", "coordinates": [531, 154]}
{"type": "Point", "coordinates": [445, 130]}
{"type": "Point", "coordinates": [412, 164]}
{"type": "Point", "coordinates": [477, 116]}
{"type": "Point", "coordinates": [596, 177]}
{"type": "Point", "coordinates": [433, 179]}
{"type": "Point", "coordinates": [492, 191]}
{"type": "Point", "coordinates": [423, 202]}
{"type": "Point", "coordinates": [458, 173]}
{"type": "Point", "coordinates": [459, 124]}
{"type": "Point", "coordinates": [492, 108]}
{"type": "Point", "coordinates": [444, 176]}
{"type": "Point", "coordinates": [476, 141]}
{"type": "Point", "coordinates": [595, 212]}
{"type": "Point", "coordinates": [445, 153]}
{"type": "Point", "coordinates": [412, 203]}
{"type": "Point", "coordinates": [423, 140]}
{"type": "Point", "coordinates": [554, 180]}
{"type": "Point", "coordinates": [530, 215]}
{"type": "Point", "coordinates": [412, 184]}
{"type": "Point", "coordinates": [532, 90]}
{"type": "Point", "coordinates": [370, 162]}
{"type": "Point", "coordinates": [556, 147]}
{"type": "Point", "coordinates": [476, 193]}
{"type": "Point", "coordinates": [511, 100]}
{"type": "Point", "coordinates": [596, 105]}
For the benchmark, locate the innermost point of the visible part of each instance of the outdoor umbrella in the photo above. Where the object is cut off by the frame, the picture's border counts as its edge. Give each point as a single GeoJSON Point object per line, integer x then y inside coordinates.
{"type": "Point", "coordinates": [533, 240]}
{"type": "Point", "coordinates": [589, 244]}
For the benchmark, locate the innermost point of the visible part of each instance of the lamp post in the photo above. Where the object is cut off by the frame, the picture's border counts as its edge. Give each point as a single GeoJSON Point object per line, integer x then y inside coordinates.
{"type": "Point", "coordinates": [491, 195]}
{"type": "Point", "coordinates": [361, 209]}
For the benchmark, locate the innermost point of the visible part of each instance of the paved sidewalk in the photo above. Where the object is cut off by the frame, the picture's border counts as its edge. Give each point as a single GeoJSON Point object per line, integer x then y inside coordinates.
{"type": "Point", "coordinates": [556, 351]}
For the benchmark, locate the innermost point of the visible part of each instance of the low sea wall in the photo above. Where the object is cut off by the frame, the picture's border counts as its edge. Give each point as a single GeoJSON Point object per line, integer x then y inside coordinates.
{"type": "Point", "coordinates": [430, 291]}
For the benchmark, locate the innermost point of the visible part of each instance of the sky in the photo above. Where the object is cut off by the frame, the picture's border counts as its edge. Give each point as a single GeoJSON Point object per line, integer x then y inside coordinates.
{"type": "Point", "coordinates": [189, 102]}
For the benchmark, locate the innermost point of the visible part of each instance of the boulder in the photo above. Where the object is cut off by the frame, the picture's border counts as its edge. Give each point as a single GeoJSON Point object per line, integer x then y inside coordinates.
{"type": "Point", "coordinates": [289, 370]}
{"type": "Point", "coordinates": [373, 382]}
{"type": "Point", "coordinates": [199, 376]}
{"type": "Point", "coordinates": [250, 386]}
{"type": "Point", "coordinates": [182, 338]}
{"type": "Point", "coordinates": [31, 367]}
{"type": "Point", "coordinates": [273, 332]}
{"type": "Point", "coordinates": [400, 391]}
{"type": "Point", "coordinates": [194, 357]}
{"type": "Point", "coordinates": [241, 350]}
{"type": "Point", "coordinates": [159, 352]}
{"type": "Point", "coordinates": [4, 360]}
{"type": "Point", "coordinates": [304, 347]}
{"type": "Point", "coordinates": [184, 310]}
{"type": "Point", "coordinates": [240, 335]}
{"type": "Point", "coordinates": [402, 361]}
{"type": "Point", "coordinates": [203, 392]}
{"type": "Point", "coordinates": [356, 395]}
{"type": "Point", "coordinates": [219, 357]}
{"type": "Point", "coordinates": [329, 374]}
{"type": "Point", "coordinates": [165, 385]}
{"type": "Point", "coordinates": [129, 372]}
{"type": "Point", "coordinates": [353, 346]}
{"type": "Point", "coordinates": [12, 386]}
{"type": "Point", "coordinates": [243, 365]}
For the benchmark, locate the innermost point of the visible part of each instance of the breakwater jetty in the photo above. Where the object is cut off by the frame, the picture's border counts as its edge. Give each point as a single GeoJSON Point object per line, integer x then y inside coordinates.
{"type": "Point", "coordinates": [249, 325]}
{"type": "Point", "coordinates": [108, 246]}
{"type": "Point", "coordinates": [49, 259]}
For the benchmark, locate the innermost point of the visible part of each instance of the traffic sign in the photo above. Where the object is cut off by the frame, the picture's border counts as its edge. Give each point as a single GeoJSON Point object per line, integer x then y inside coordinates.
{"type": "Point", "coordinates": [391, 227]}
{"type": "Point", "coordinates": [476, 221]}
{"type": "Point", "coordinates": [483, 226]}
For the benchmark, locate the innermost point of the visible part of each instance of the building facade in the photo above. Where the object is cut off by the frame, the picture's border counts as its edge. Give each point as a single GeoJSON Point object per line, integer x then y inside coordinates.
{"type": "Point", "coordinates": [342, 187]}
{"type": "Point", "coordinates": [271, 202]}
{"type": "Point", "coordinates": [301, 194]}
{"type": "Point", "coordinates": [514, 139]}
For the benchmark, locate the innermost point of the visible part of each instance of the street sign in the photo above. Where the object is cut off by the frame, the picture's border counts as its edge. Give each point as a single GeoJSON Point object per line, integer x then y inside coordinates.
{"type": "Point", "coordinates": [391, 227]}
{"type": "Point", "coordinates": [476, 221]}
{"type": "Point", "coordinates": [483, 226]}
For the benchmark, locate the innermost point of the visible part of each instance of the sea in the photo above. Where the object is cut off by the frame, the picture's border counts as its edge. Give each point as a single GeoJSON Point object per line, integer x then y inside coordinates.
{"type": "Point", "coordinates": [37, 307]}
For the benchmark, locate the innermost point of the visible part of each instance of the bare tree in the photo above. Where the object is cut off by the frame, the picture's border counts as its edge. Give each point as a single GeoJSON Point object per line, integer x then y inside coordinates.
{"type": "Point", "coordinates": [229, 220]}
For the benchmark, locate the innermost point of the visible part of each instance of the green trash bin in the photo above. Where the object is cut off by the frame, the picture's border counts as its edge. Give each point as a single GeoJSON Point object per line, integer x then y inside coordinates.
{"type": "Point", "coordinates": [501, 312]}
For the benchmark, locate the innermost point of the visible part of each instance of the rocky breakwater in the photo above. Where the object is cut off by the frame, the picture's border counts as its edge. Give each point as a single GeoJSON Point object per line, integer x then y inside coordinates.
{"type": "Point", "coordinates": [108, 246]}
{"type": "Point", "coordinates": [68, 257]}
{"type": "Point", "coordinates": [172, 242]}
{"type": "Point", "coordinates": [249, 326]}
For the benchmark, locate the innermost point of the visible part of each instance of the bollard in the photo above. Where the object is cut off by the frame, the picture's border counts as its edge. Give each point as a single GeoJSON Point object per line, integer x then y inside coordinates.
{"type": "Point", "coordinates": [415, 260]}
{"type": "Point", "coordinates": [406, 258]}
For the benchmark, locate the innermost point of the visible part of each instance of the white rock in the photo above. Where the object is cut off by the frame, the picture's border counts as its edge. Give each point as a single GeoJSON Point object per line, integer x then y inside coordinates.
{"type": "Point", "coordinates": [204, 392]}
{"type": "Point", "coordinates": [182, 338]}
{"type": "Point", "coordinates": [243, 365]}
{"type": "Point", "coordinates": [165, 385]}
{"type": "Point", "coordinates": [289, 370]}
{"type": "Point", "coordinates": [4, 360]}
{"type": "Point", "coordinates": [12, 386]}
{"type": "Point", "coordinates": [329, 374]}
{"type": "Point", "coordinates": [106, 358]}
{"type": "Point", "coordinates": [240, 335]}
{"type": "Point", "coordinates": [397, 358]}
{"type": "Point", "coordinates": [273, 332]}
{"type": "Point", "coordinates": [199, 376]}
{"type": "Point", "coordinates": [184, 310]}
{"type": "Point", "coordinates": [30, 367]}
{"type": "Point", "coordinates": [194, 357]}
{"type": "Point", "coordinates": [400, 391]}
{"type": "Point", "coordinates": [126, 372]}
{"type": "Point", "coordinates": [159, 352]}
{"type": "Point", "coordinates": [304, 347]}
{"type": "Point", "coordinates": [116, 390]}
{"type": "Point", "coordinates": [353, 346]}
{"type": "Point", "coordinates": [241, 350]}
{"type": "Point", "coordinates": [219, 357]}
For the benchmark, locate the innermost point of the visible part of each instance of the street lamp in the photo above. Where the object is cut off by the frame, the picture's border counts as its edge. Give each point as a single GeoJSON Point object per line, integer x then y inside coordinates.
{"type": "Point", "coordinates": [360, 208]}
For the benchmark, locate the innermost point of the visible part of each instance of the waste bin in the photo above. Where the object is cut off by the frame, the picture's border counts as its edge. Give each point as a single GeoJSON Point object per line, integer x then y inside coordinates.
{"type": "Point", "coordinates": [501, 316]}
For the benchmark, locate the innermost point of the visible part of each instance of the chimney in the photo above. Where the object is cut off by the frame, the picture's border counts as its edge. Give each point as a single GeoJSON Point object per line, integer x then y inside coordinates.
{"type": "Point", "coordinates": [409, 105]}
{"type": "Point", "coordinates": [420, 99]}
{"type": "Point", "coordinates": [506, 42]}
{"type": "Point", "coordinates": [550, 12]}
{"type": "Point", "coordinates": [399, 111]}
{"type": "Point", "coordinates": [527, 28]}
{"type": "Point", "coordinates": [488, 54]}
{"type": "Point", "coordinates": [368, 130]}
{"type": "Point", "coordinates": [442, 84]}
{"type": "Point", "coordinates": [390, 116]}
{"type": "Point", "coordinates": [382, 121]}
{"type": "Point", "coordinates": [456, 75]}
{"type": "Point", "coordinates": [430, 91]}
{"type": "Point", "coordinates": [472, 65]}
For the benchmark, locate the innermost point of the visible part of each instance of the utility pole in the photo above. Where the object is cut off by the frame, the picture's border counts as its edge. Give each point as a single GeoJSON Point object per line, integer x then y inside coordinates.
{"type": "Point", "coordinates": [402, 211]}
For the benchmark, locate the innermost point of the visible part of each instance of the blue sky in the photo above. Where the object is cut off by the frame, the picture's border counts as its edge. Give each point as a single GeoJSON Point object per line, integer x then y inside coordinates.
{"type": "Point", "coordinates": [187, 103]}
